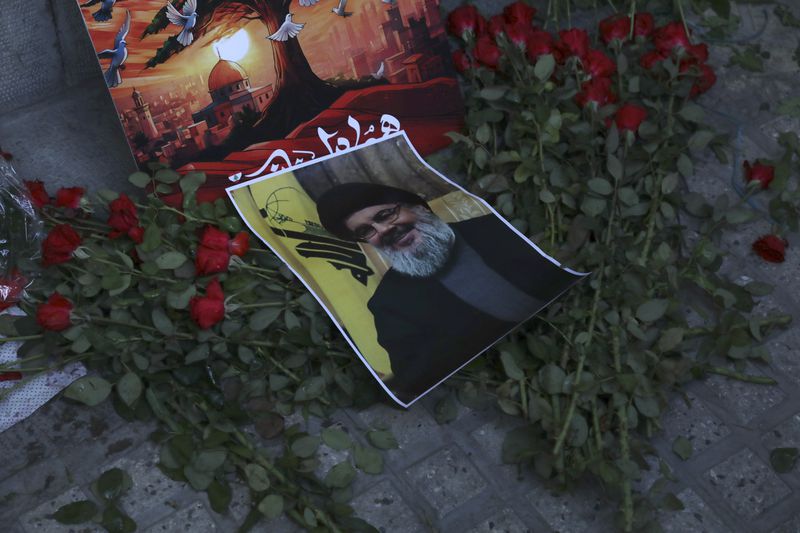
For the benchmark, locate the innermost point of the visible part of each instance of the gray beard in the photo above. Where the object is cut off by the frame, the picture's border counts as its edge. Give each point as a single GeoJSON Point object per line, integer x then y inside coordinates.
{"type": "Point", "coordinates": [432, 251]}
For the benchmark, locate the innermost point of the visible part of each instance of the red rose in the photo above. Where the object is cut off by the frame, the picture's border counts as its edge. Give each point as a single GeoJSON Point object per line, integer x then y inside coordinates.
{"type": "Point", "coordinates": [136, 234]}
{"type": "Point", "coordinates": [240, 244]}
{"type": "Point", "coordinates": [705, 81]}
{"type": "Point", "coordinates": [518, 33]}
{"type": "Point", "coordinates": [596, 91]}
{"type": "Point", "coordinates": [759, 172]}
{"type": "Point", "coordinates": [465, 19]}
{"type": "Point", "coordinates": [496, 26]}
{"type": "Point", "coordinates": [461, 61]}
{"type": "Point", "coordinates": [39, 196]}
{"type": "Point", "coordinates": [10, 290]}
{"type": "Point", "coordinates": [54, 315]}
{"type": "Point", "coordinates": [209, 309]}
{"type": "Point", "coordinates": [122, 217]}
{"type": "Point", "coordinates": [210, 261]}
{"type": "Point", "coordinates": [598, 65]}
{"type": "Point", "coordinates": [672, 36]}
{"type": "Point", "coordinates": [615, 28]}
{"type": "Point", "coordinates": [519, 13]}
{"type": "Point", "coordinates": [574, 42]}
{"type": "Point", "coordinates": [629, 117]}
{"type": "Point", "coordinates": [698, 52]}
{"type": "Point", "coordinates": [538, 43]}
{"type": "Point", "coordinates": [649, 59]}
{"type": "Point", "coordinates": [643, 24]}
{"type": "Point", "coordinates": [771, 248]}
{"type": "Point", "coordinates": [69, 197]}
{"type": "Point", "coordinates": [487, 52]}
{"type": "Point", "coordinates": [59, 244]}
{"type": "Point", "coordinates": [214, 238]}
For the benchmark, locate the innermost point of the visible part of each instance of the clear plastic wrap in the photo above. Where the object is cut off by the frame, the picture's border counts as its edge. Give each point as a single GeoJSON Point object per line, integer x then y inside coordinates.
{"type": "Point", "coordinates": [21, 233]}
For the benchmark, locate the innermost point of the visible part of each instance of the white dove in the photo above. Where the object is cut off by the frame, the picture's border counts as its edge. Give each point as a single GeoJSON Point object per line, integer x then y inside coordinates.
{"type": "Point", "coordinates": [306, 3]}
{"type": "Point", "coordinates": [118, 54]}
{"type": "Point", "coordinates": [287, 30]}
{"type": "Point", "coordinates": [378, 75]}
{"type": "Point", "coordinates": [187, 20]}
{"type": "Point", "coordinates": [339, 10]}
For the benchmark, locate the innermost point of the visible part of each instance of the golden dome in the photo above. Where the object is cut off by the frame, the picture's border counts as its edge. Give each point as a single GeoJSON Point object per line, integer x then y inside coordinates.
{"type": "Point", "coordinates": [225, 73]}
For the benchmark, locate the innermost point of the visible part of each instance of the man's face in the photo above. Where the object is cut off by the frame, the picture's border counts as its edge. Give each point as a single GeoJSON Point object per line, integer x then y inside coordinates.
{"type": "Point", "coordinates": [414, 240]}
{"type": "Point", "coordinates": [386, 226]}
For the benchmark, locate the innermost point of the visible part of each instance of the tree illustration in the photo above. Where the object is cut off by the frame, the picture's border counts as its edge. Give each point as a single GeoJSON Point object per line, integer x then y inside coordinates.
{"type": "Point", "coordinates": [299, 94]}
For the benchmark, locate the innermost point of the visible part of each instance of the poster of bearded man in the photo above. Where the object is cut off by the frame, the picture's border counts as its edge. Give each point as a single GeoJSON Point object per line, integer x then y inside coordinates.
{"type": "Point", "coordinates": [419, 275]}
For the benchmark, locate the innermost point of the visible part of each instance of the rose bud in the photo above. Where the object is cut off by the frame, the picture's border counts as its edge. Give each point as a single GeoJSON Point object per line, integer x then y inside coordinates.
{"type": "Point", "coordinates": [11, 289]}
{"type": "Point", "coordinates": [615, 28]}
{"type": "Point", "coordinates": [69, 197]}
{"type": "Point", "coordinates": [698, 52]}
{"type": "Point", "coordinates": [209, 309]}
{"type": "Point", "coordinates": [214, 238]}
{"type": "Point", "coordinates": [487, 52]}
{"type": "Point", "coordinates": [705, 81]}
{"type": "Point", "coordinates": [123, 217]}
{"type": "Point", "coordinates": [595, 92]}
{"type": "Point", "coordinates": [598, 65]}
{"type": "Point", "coordinates": [211, 261]}
{"type": "Point", "coordinates": [537, 44]}
{"type": "Point", "coordinates": [629, 117]}
{"type": "Point", "coordinates": [519, 13]}
{"type": "Point", "coordinates": [649, 59]}
{"type": "Point", "coordinates": [518, 33]}
{"type": "Point", "coordinates": [643, 24]}
{"type": "Point", "coordinates": [574, 42]}
{"type": "Point", "coordinates": [461, 61]}
{"type": "Point", "coordinates": [38, 193]}
{"type": "Point", "coordinates": [759, 172]}
{"type": "Point", "coordinates": [465, 19]}
{"type": "Point", "coordinates": [59, 245]}
{"type": "Point", "coordinates": [671, 37]}
{"type": "Point", "coordinates": [54, 315]}
{"type": "Point", "coordinates": [496, 26]}
{"type": "Point", "coordinates": [771, 248]}
{"type": "Point", "coordinates": [240, 244]}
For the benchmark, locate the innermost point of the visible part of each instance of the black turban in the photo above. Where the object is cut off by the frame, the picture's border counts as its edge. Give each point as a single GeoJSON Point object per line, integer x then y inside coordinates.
{"type": "Point", "coordinates": [336, 204]}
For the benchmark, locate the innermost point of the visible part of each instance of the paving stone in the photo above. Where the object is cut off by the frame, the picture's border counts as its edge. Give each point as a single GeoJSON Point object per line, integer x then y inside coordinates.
{"type": "Point", "coordinates": [194, 518]}
{"type": "Point", "coordinates": [693, 421]}
{"type": "Point", "coordinates": [31, 486]}
{"type": "Point", "coordinates": [747, 401]}
{"type": "Point", "coordinates": [153, 495]}
{"type": "Point", "coordinates": [80, 61]}
{"type": "Point", "coordinates": [580, 510]}
{"type": "Point", "coordinates": [696, 516]}
{"type": "Point", "coordinates": [783, 351]}
{"type": "Point", "coordinates": [20, 446]}
{"type": "Point", "coordinates": [410, 427]}
{"type": "Point", "coordinates": [784, 435]}
{"type": "Point", "coordinates": [506, 521]}
{"type": "Point", "coordinates": [37, 521]}
{"type": "Point", "coordinates": [790, 526]}
{"type": "Point", "coordinates": [446, 479]}
{"type": "Point", "coordinates": [747, 484]}
{"type": "Point", "coordinates": [384, 508]}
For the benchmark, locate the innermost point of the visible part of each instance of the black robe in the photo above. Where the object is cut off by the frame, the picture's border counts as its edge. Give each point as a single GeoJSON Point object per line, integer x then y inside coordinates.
{"type": "Point", "coordinates": [429, 332]}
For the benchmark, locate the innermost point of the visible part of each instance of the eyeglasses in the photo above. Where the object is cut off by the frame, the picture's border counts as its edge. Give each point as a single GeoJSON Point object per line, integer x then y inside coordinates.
{"type": "Point", "coordinates": [365, 232]}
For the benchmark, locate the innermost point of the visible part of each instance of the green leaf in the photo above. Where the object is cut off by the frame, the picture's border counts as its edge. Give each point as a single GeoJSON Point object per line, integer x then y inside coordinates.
{"type": "Point", "coordinates": [685, 166]}
{"type": "Point", "coordinates": [493, 93]}
{"type": "Point", "coordinates": [670, 502]}
{"type": "Point", "coordinates": [647, 405]}
{"type": "Point", "coordinates": [783, 459]}
{"type": "Point", "coordinates": [445, 411]}
{"type": "Point", "coordinates": [151, 239]}
{"type": "Point", "coordinates": [306, 446]}
{"type": "Point", "coordinates": [140, 179]}
{"type": "Point", "coordinates": [739, 215]}
{"type": "Point", "coordinates": [700, 139]}
{"type": "Point", "coordinates": [790, 107]}
{"type": "Point", "coordinates": [551, 378]}
{"type": "Point", "coordinates": [749, 58]}
{"type": "Point", "coordinates": [90, 390]}
{"type": "Point", "coordinates": [368, 460]}
{"type": "Point", "coordinates": [593, 206]}
{"type": "Point", "coordinates": [546, 196]}
{"type": "Point", "coordinates": [113, 483]}
{"type": "Point", "coordinates": [76, 512]}
{"type": "Point", "coordinates": [614, 166]}
{"type": "Point", "coordinates": [192, 181]}
{"type": "Point", "coordinates": [483, 133]}
{"type": "Point", "coordinates": [510, 366]}
{"type": "Point", "coordinates": [670, 339]}
{"type": "Point", "coordinates": [198, 479]}
{"type": "Point", "coordinates": [115, 521]}
{"type": "Point", "coordinates": [758, 288]}
{"type": "Point", "coordinates": [181, 299]}
{"type": "Point", "coordinates": [682, 448]}
{"type": "Point", "coordinates": [162, 322]}
{"type": "Point", "coordinates": [209, 460]}
{"type": "Point", "coordinates": [652, 310]}
{"type": "Point", "coordinates": [544, 67]}
{"type": "Point", "coordinates": [219, 496]}
{"type": "Point", "coordinates": [382, 439]}
{"type": "Point", "coordinates": [336, 438]}
{"type": "Point", "coordinates": [692, 113]}
{"type": "Point", "coordinates": [129, 388]}
{"type": "Point", "coordinates": [271, 506]}
{"type": "Point", "coordinates": [340, 475]}
{"type": "Point", "coordinates": [166, 175]}
{"type": "Point", "coordinates": [600, 186]}
{"type": "Point", "coordinates": [170, 260]}
{"type": "Point", "coordinates": [198, 353]}
{"type": "Point", "coordinates": [257, 477]}
{"type": "Point", "coordinates": [262, 318]}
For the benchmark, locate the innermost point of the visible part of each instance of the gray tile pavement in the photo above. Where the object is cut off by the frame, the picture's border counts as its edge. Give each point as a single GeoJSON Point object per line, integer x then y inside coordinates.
{"type": "Point", "coordinates": [55, 118]}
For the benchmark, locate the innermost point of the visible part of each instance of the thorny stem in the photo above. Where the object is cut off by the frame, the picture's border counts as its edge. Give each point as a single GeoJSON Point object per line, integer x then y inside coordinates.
{"type": "Point", "coordinates": [740, 376]}
{"type": "Point", "coordinates": [19, 339]}
{"type": "Point", "coordinates": [624, 444]}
